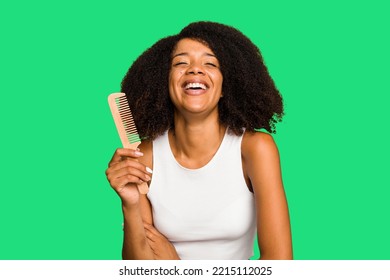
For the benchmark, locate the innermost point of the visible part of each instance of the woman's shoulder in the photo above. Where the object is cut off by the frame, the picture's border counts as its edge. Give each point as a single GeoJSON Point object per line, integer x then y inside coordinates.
{"type": "Point", "coordinates": [261, 163]}
{"type": "Point", "coordinates": [258, 148]}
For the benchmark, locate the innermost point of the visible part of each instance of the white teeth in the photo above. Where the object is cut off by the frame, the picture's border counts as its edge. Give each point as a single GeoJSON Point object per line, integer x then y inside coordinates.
{"type": "Point", "coordinates": [195, 85]}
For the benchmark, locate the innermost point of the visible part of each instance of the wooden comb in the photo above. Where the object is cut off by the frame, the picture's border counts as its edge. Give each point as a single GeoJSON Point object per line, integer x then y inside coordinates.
{"type": "Point", "coordinates": [125, 125]}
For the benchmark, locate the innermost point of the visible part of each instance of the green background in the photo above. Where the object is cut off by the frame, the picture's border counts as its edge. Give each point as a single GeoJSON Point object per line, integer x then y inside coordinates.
{"type": "Point", "coordinates": [60, 60]}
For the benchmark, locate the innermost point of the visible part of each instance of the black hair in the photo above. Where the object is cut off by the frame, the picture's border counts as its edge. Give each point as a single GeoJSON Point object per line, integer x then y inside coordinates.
{"type": "Point", "coordinates": [250, 100]}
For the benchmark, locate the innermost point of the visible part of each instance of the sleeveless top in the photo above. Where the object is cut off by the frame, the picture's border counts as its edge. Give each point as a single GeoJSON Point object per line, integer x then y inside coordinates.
{"type": "Point", "coordinates": [207, 213]}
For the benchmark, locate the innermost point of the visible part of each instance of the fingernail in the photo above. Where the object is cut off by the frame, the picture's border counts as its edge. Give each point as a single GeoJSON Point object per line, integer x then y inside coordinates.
{"type": "Point", "coordinates": [138, 153]}
{"type": "Point", "coordinates": [149, 170]}
{"type": "Point", "coordinates": [148, 177]}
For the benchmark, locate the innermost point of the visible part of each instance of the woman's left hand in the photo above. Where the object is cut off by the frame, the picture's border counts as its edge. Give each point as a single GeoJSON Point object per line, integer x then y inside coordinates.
{"type": "Point", "coordinates": [161, 247]}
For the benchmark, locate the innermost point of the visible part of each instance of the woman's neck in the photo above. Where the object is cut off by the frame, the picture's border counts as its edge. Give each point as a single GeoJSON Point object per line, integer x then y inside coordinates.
{"type": "Point", "coordinates": [194, 143]}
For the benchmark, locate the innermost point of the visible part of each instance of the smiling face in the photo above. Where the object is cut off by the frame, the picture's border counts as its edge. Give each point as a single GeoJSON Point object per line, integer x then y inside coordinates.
{"type": "Point", "coordinates": [195, 80]}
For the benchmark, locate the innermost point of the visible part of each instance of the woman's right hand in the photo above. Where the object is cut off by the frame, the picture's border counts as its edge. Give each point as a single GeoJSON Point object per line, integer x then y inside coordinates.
{"type": "Point", "coordinates": [124, 173]}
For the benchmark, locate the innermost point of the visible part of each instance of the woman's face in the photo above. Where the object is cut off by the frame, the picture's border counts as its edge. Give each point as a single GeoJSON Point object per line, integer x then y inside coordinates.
{"type": "Point", "coordinates": [195, 80]}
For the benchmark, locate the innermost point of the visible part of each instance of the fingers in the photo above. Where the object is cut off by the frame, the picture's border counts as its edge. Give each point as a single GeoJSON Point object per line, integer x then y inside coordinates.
{"type": "Point", "coordinates": [120, 183]}
{"type": "Point", "coordinates": [130, 167]}
{"type": "Point", "coordinates": [120, 153]}
{"type": "Point", "coordinates": [152, 233]}
{"type": "Point", "coordinates": [162, 248]}
{"type": "Point", "coordinates": [124, 168]}
{"type": "Point", "coordinates": [127, 176]}
{"type": "Point", "coordinates": [120, 179]}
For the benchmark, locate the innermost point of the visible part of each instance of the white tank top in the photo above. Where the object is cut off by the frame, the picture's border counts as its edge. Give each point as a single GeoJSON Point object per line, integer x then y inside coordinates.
{"type": "Point", "coordinates": [207, 213]}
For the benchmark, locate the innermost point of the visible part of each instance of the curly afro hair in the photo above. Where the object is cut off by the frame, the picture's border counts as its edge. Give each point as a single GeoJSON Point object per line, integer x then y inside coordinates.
{"type": "Point", "coordinates": [250, 100]}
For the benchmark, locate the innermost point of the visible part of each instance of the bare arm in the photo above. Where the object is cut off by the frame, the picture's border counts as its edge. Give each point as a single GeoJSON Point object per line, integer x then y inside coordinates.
{"type": "Point", "coordinates": [127, 168]}
{"type": "Point", "coordinates": [262, 168]}
{"type": "Point", "coordinates": [135, 245]}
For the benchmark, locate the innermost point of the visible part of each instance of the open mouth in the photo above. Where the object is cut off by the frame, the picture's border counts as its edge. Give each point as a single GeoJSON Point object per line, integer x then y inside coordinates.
{"type": "Point", "coordinates": [195, 86]}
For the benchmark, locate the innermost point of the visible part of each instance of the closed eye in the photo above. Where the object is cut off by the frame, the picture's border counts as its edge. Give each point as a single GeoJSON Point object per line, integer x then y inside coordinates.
{"type": "Point", "coordinates": [211, 64]}
{"type": "Point", "coordinates": [179, 63]}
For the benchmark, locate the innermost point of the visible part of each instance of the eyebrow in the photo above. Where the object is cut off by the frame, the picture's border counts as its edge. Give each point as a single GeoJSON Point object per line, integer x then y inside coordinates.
{"type": "Point", "coordinates": [185, 53]}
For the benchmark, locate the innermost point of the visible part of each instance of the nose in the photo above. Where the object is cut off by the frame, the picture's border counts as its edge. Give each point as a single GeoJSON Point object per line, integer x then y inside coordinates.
{"type": "Point", "coordinates": [195, 69]}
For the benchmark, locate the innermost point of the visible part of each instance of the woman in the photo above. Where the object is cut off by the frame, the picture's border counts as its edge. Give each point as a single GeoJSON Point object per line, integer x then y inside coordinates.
{"type": "Point", "coordinates": [197, 98]}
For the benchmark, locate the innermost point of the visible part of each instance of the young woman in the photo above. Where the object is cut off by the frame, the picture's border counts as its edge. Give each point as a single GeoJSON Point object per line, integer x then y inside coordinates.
{"type": "Point", "coordinates": [197, 99]}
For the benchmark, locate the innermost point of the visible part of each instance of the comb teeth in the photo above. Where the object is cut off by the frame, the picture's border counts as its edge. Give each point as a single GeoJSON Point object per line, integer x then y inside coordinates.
{"type": "Point", "coordinates": [124, 120]}
{"type": "Point", "coordinates": [127, 119]}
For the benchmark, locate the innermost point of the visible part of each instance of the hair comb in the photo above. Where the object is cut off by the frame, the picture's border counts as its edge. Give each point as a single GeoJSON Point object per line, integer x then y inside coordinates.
{"type": "Point", "coordinates": [125, 126]}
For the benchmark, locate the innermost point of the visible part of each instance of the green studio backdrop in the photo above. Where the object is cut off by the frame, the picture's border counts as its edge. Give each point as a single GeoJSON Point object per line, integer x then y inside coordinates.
{"type": "Point", "coordinates": [60, 60]}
